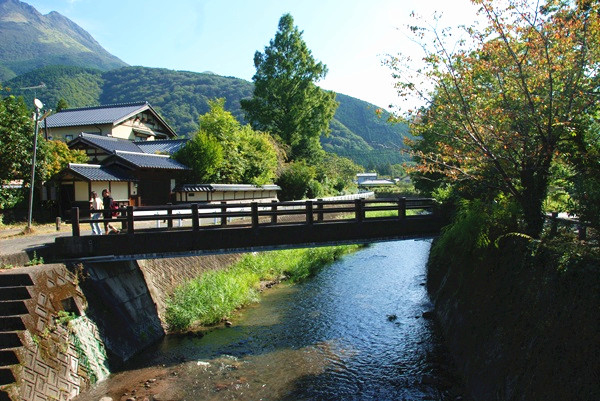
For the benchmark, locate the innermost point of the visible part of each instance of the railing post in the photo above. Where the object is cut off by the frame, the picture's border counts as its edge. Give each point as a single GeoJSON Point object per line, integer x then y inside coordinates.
{"type": "Point", "coordinates": [169, 215]}
{"type": "Point", "coordinates": [195, 218]}
{"type": "Point", "coordinates": [309, 213]}
{"type": "Point", "coordinates": [254, 213]}
{"type": "Point", "coordinates": [130, 228]}
{"type": "Point", "coordinates": [274, 211]}
{"type": "Point", "coordinates": [223, 211]}
{"type": "Point", "coordinates": [401, 208]}
{"type": "Point", "coordinates": [359, 211]}
{"type": "Point", "coordinates": [319, 210]}
{"type": "Point", "coordinates": [123, 223]}
{"type": "Point", "coordinates": [58, 223]}
{"type": "Point", "coordinates": [75, 221]}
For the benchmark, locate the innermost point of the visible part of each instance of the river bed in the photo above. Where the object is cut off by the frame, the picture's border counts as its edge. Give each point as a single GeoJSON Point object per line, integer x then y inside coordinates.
{"type": "Point", "coordinates": [359, 330]}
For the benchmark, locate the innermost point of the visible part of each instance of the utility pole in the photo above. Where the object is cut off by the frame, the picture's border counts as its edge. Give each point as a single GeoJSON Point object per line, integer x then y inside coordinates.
{"type": "Point", "coordinates": [38, 106]}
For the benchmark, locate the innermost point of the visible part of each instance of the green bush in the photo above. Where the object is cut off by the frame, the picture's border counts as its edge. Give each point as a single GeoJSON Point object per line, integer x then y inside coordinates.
{"type": "Point", "coordinates": [216, 294]}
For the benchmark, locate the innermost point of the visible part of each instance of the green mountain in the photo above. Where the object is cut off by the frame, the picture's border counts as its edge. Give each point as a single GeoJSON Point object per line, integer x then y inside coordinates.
{"type": "Point", "coordinates": [357, 131]}
{"type": "Point", "coordinates": [30, 40]}
{"type": "Point", "coordinates": [36, 48]}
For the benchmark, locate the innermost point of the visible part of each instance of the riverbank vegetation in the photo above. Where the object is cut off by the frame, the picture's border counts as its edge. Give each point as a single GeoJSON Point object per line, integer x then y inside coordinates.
{"type": "Point", "coordinates": [512, 112]}
{"type": "Point", "coordinates": [520, 314]}
{"type": "Point", "coordinates": [215, 295]}
{"type": "Point", "coordinates": [509, 134]}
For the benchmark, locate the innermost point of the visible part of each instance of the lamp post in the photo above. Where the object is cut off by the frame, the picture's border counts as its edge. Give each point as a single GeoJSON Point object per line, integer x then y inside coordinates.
{"type": "Point", "coordinates": [38, 105]}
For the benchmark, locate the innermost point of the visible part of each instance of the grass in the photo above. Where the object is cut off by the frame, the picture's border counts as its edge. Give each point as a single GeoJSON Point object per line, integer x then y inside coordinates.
{"type": "Point", "coordinates": [211, 298]}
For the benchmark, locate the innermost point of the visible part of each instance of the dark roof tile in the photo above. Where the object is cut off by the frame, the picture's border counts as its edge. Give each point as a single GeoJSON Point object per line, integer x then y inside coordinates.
{"type": "Point", "coordinates": [166, 146]}
{"type": "Point", "coordinates": [144, 160]}
{"type": "Point", "coordinates": [107, 143]}
{"type": "Point", "coordinates": [95, 172]}
{"type": "Point", "coordinates": [107, 114]}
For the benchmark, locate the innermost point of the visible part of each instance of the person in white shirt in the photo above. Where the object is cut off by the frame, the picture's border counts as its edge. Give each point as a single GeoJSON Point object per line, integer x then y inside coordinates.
{"type": "Point", "coordinates": [95, 212]}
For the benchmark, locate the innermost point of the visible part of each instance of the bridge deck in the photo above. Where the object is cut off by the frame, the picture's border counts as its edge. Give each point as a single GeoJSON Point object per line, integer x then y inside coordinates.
{"type": "Point", "coordinates": [265, 231]}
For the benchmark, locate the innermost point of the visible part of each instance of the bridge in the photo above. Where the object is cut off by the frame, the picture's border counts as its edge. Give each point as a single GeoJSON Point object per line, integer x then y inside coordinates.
{"type": "Point", "coordinates": [185, 230]}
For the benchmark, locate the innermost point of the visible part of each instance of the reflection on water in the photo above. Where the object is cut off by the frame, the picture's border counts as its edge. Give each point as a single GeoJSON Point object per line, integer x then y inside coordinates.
{"type": "Point", "coordinates": [354, 332]}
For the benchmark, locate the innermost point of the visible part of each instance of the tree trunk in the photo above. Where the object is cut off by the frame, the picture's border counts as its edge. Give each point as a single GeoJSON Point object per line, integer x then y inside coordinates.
{"type": "Point", "coordinates": [535, 187]}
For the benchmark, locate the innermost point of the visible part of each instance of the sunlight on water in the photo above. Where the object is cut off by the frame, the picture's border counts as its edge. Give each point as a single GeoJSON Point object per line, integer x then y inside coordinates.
{"type": "Point", "coordinates": [354, 332]}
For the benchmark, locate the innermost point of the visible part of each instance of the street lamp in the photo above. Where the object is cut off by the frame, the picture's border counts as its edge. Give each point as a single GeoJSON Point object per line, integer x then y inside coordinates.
{"type": "Point", "coordinates": [38, 106]}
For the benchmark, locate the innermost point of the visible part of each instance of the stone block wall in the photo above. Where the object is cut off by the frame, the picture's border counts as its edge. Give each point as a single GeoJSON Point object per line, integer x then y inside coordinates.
{"type": "Point", "coordinates": [162, 276]}
{"type": "Point", "coordinates": [77, 322]}
{"type": "Point", "coordinates": [53, 362]}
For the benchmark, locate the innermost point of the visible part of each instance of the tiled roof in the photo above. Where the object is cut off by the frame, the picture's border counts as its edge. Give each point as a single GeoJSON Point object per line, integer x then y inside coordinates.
{"type": "Point", "coordinates": [224, 187]}
{"type": "Point", "coordinates": [95, 172]}
{"type": "Point", "coordinates": [166, 146]}
{"type": "Point", "coordinates": [144, 160]}
{"type": "Point", "coordinates": [107, 114]}
{"type": "Point", "coordinates": [107, 143]}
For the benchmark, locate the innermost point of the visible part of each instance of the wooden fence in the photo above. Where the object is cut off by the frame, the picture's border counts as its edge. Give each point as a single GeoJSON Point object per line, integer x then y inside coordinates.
{"type": "Point", "coordinates": [200, 216]}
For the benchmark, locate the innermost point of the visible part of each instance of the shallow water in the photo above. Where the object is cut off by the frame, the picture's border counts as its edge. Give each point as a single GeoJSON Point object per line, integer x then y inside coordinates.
{"type": "Point", "coordinates": [354, 332]}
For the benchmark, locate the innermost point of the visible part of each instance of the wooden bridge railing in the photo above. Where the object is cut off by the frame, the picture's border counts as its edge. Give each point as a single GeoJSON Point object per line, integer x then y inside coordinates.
{"type": "Point", "coordinates": [255, 214]}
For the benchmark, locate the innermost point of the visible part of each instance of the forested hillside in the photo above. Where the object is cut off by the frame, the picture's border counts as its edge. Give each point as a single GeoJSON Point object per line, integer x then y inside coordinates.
{"type": "Point", "coordinates": [181, 97]}
{"type": "Point", "coordinates": [30, 40]}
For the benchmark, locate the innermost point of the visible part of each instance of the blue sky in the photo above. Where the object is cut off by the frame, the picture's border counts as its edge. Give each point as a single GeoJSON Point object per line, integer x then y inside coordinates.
{"type": "Point", "coordinates": [351, 37]}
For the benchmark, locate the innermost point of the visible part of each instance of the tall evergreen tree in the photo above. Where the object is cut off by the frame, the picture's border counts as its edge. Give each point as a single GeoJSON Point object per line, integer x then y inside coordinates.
{"type": "Point", "coordinates": [286, 102]}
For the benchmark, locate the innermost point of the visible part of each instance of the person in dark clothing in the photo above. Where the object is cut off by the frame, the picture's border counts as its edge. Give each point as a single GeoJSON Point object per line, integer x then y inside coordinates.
{"type": "Point", "coordinates": [107, 201]}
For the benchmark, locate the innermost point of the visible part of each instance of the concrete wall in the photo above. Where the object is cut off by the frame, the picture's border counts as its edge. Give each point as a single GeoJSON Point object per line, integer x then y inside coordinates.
{"type": "Point", "coordinates": [120, 310]}
{"type": "Point", "coordinates": [56, 359]}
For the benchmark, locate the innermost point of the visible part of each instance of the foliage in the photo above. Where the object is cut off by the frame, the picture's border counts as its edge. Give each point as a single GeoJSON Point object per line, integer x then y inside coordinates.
{"type": "Point", "coordinates": [64, 317]}
{"type": "Point", "coordinates": [286, 102]}
{"type": "Point", "coordinates": [246, 156]}
{"type": "Point", "coordinates": [585, 177]}
{"type": "Point", "coordinates": [77, 86]}
{"type": "Point", "coordinates": [501, 109]}
{"type": "Point", "coordinates": [216, 294]}
{"type": "Point", "coordinates": [61, 105]}
{"type": "Point", "coordinates": [475, 226]}
{"type": "Point", "coordinates": [295, 181]}
{"type": "Point", "coordinates": [59, 157]}
{"type": "Point", "coordinates": [181, 96]}
{"type": "Point", "coordinates": [35, 260]}
{"type": "Point", "coordinates": [16, 149]}
{"type": "Point", "coordinates": [204, 155]}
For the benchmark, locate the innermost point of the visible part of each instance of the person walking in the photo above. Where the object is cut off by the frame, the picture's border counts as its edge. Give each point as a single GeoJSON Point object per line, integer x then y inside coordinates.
{"type": "Point", "coordinates": [107, 202]}
{"type": "Point", "coordinates": [95, 212]}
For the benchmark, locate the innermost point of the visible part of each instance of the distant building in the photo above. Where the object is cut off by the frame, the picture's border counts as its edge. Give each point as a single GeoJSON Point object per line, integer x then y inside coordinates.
{"type": "Point", "coordinates": [231, 193]}
{"type": "Point", "coordinates": [371, 180]}
{"type": "Point", "coordinates": [131, 121]}
{"type": "Point", "coordinates": [129, 148]}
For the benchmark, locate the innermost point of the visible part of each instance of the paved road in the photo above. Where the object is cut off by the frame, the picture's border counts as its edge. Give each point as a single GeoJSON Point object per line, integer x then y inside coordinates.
{"type": "Point", "coordinates": [23, 243]}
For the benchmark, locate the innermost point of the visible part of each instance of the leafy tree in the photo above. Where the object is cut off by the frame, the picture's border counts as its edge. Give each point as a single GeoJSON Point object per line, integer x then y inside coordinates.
{"type": "Point", "coordinates": [286, 102]}
{"type": "Point", "coordinates": [204, 155]}
{"type": "Point", "coordinates": [224, 151]}
{"type": "Point", "coordinates": [295, 180]}
{"type": "Point", "coordinates": [61, 105]}
{"type": "Point", "coordinates": [16, 147]}
{"type": "Point", "coordinates": [59, 156]}
{"type": "Point", "coordinates": [501, 109]}
{"type": "Point", "coordinates": [260, 156]}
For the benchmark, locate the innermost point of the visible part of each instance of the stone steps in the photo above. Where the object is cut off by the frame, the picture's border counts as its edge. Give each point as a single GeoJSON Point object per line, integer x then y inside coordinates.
{"type": "Point", "coordinates": [13, 293]}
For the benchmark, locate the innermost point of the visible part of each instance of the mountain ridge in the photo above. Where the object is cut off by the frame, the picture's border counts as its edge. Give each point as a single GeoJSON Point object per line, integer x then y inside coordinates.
{"type": "Point", "coordinates": [56, 51]}
{"type": "Point", "coordinates": [31, 40]}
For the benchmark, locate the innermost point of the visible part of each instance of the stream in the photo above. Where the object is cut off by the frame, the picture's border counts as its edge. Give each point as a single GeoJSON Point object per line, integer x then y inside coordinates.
{"type": "Point", "coordinates": [360, 330]}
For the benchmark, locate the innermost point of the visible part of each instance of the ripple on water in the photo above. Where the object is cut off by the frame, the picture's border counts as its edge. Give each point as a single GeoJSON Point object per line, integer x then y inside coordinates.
{"type": "Point", "coordinates": [327, 339]}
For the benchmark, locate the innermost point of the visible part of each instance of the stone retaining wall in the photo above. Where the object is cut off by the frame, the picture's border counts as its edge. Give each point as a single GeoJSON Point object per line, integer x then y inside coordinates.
{"type": "Point", "coordinates": [82, 320]}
